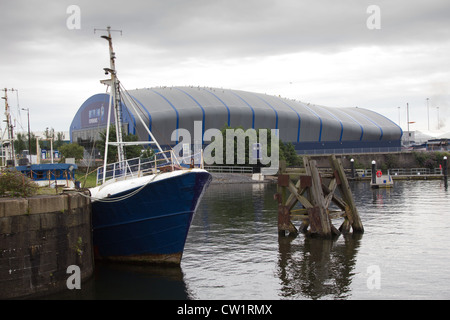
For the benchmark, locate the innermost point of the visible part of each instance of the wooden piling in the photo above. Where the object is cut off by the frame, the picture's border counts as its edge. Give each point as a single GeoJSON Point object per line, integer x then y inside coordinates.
{"type": "Point", "coordinates": [284, 221]}
{"type": "Point", "coordinates": [315, 196]}
{"type": "Point", "coordinates": [352, 213]}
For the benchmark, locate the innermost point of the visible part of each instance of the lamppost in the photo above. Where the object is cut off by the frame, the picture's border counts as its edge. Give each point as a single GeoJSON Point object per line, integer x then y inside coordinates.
{"type": "Point", "coordinates": [407, 121]}
{"type": "Point", "coordinates": [29, 133]}
{"type": "Point", "coordinates": [438, 124]}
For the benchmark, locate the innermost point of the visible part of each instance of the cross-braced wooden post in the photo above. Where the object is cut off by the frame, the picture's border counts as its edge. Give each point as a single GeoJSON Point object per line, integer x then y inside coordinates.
{"type": "Point", "coordinates": [315, 193]}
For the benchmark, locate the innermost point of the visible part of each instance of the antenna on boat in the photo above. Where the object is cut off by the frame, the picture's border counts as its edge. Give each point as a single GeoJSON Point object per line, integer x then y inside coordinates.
{"type": "Point", "coordinates": [114, 84]}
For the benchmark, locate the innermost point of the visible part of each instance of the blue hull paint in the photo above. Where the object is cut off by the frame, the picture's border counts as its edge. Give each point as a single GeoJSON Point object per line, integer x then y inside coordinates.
{"type": "Point", "coordinates": [151, 225]}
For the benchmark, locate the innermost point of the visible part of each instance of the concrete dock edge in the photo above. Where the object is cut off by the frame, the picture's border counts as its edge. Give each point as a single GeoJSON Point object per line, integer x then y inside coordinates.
{"type": "Point", "coordinates": [40, 237]}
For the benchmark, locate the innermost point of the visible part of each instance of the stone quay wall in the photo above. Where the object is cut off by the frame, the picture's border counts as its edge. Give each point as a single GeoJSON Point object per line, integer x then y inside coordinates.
{"type": "Point", "coordinates": [40, 237]}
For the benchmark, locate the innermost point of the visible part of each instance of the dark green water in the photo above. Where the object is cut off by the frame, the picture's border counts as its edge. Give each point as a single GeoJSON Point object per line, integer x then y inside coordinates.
{"type": "Point", "coordinates": [233, 252]}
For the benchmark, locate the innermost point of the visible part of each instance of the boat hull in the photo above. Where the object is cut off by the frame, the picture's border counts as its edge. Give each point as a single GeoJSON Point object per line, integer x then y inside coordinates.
{"type": "Point", "coordinates": [151, 225]}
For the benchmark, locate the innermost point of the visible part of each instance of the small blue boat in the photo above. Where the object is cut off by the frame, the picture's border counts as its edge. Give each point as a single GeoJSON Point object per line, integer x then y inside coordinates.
{"type": "Point", "coordinates": [142, 212]}
{"type": "Point", "coordinates": [51, 174]}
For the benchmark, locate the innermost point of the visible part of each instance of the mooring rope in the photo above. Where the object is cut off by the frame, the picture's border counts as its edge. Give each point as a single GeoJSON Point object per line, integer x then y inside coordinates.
{"type": "Point", "coordinates": [124, 197]}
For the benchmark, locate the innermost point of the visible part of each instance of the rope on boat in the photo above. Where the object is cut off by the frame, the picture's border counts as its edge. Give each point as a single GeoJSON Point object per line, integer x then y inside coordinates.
{"type": "Point", "coordinates": [124, 197]}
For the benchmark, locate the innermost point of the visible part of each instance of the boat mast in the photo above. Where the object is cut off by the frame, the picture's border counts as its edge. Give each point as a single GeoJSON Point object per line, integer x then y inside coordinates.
{"type": "Point", "coordinates": [10, 142]}
{"type": "Point", "coordinates": [115, 95]}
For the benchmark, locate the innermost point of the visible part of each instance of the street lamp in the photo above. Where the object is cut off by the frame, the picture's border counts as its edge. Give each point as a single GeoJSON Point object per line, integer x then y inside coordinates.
{"type": "Point", "coordinates": [29, 133]}
{"type": "Point", "coordinates": [407, 121]}
{"type": "Point", "coordinates": [438, 124]}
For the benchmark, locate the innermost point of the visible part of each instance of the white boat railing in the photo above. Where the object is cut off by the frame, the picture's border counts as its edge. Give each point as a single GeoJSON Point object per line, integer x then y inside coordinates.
{"type": "Point", "coordinates": [137, 167]}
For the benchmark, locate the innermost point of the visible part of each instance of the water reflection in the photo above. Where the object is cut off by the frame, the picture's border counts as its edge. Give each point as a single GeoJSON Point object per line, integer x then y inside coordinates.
{"type": "Point", "coordinates": [117, 281]}
{"type": "Point", "coordinates": [235, 236]}
{"type": "Point", "coordinates": [317, 268]}
{"type": "Point", "coordinates": [233, 251]}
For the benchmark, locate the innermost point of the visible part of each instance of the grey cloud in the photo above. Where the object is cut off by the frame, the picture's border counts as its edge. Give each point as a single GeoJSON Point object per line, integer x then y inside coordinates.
{"type": "Point", "coordinates": [222, 28]}
{"type": "Point", "coordinates": [37, 48]}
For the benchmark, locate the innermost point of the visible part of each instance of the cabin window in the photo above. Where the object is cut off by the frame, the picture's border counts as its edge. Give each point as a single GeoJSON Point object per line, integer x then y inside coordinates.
{"type": "Point", "coordinates": [39, 175]}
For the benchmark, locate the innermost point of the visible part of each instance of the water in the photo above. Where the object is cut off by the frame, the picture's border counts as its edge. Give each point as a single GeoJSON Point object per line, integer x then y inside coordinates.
{"type": "Point", "coordinates": [233, 252]}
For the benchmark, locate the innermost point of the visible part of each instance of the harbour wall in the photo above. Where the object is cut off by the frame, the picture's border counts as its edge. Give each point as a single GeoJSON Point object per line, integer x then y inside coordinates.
{"type": "Point", "coordinates": [387, 160]}
{"type": "Point", "coordinates": [40, 238]}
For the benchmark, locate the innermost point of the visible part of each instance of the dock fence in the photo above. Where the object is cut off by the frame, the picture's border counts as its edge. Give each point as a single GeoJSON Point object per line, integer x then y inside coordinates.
{"type": "Point", "coordinates": [229, 169]}
{"type": "Point", "coordinates": [414, 171]}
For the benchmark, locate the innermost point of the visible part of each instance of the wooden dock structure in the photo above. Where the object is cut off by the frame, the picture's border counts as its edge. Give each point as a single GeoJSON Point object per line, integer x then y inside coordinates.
{"type": "Point", "coordinates": [308, 200]}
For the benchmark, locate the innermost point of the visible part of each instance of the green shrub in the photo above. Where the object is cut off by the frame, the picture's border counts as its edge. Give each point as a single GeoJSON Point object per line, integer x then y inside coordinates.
{"type": "Point", "coordinates": [429, 160]}
{"type": "Point", "coordinates": [15, 184]}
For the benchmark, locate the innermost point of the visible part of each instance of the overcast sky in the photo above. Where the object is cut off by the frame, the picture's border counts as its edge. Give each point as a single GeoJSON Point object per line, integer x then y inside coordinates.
{"type": "Point", "coordinates": [378, 55]}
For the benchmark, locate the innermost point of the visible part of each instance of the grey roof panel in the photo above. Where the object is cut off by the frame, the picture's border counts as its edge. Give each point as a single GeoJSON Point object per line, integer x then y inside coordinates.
{"type": "Point", "coordinates": [167, 109]}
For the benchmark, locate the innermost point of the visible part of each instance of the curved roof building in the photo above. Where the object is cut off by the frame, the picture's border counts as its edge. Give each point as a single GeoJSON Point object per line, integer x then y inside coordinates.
{"type": "Point", "coordinates": [311, 128]}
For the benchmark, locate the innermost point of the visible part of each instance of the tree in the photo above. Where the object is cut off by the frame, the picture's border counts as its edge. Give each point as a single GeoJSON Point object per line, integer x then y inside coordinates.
{"type": "Point", "coordinates": [49, 133]}
{"type": "Point", "coordinates": [130, 151]}
{"type": "Point", "coordinates": [21, 143]}
{"type": "Point", "coordinates": [72, 150]}
{"type": "Point", "coordinates": [287, 153]}
{"type": "Point", "coordinates": [59, 140]}
{"type": "Point", "coordinates": [15, 184]}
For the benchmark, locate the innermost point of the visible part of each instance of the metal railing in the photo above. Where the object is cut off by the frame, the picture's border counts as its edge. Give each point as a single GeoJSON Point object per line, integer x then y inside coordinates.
{"type": "Point", "coordinates": [229, 169]}
{"type": "Point", "coordinates": [338, 151]}
{"type": "Point", "coordinates": [414, 171]}
{"type": "Point", "coordinates": [138, 167]}
{"type": "Point", "coordinates": [52, 178]}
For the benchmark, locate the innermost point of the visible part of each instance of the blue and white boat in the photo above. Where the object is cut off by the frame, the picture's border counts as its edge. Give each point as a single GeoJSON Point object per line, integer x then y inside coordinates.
{"type": "Point", "coordinates": [50, 175]}
{"type": "Point", "coordinates": [142, 212]}
{"type": "Point", "coordinates": [146, 219]}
